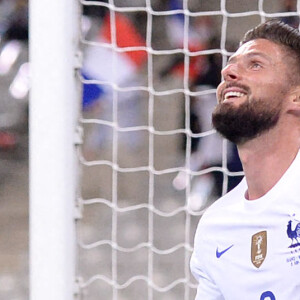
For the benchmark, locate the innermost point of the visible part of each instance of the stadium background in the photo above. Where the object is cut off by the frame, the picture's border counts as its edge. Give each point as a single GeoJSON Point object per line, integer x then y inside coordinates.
{"type": "Point", "coordinates": [96, 223]}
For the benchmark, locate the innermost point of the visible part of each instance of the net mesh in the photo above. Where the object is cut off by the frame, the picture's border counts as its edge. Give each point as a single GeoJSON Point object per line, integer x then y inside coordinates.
{"type": "Point", "coordinates": [151, 163]}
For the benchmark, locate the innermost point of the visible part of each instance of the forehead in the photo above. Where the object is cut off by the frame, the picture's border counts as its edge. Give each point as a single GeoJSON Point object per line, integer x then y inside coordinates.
{"type": "Point", "coordinates": [260, 47]}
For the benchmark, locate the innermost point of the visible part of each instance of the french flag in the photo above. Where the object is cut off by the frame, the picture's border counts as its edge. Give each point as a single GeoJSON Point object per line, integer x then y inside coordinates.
{"type": "Point", "coordinates": [106, 64]}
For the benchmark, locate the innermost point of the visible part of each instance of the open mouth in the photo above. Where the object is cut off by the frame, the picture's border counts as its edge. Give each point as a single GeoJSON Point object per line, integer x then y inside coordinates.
{"type": "Point", "coordinates": [233, 95]}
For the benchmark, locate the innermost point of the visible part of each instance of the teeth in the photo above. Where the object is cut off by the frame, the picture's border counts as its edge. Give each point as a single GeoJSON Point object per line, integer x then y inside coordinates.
{"type": "Point", "coordinates": [233, 94]}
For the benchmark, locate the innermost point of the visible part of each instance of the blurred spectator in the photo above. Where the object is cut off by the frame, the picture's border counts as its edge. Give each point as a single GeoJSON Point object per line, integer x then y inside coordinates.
{"type": "Point", "coordinates": [13, 31]}
{"type": "Point", "coordinates": [204, 74]}
{"type": "Point", "coordinates": [15, 39]}
{"type": "Point", "coordinates": [207, 152]}
{"type": "Point", "coordinates": [13, 35]}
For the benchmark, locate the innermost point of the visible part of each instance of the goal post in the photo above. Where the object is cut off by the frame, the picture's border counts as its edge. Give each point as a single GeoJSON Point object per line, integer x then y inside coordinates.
{"type": "Point", "coordinates": [54, 109]}
{"type": "Point", "coordinates": [140, 166]}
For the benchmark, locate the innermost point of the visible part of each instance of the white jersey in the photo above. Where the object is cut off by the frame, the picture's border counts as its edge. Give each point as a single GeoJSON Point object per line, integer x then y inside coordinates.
{"type": "Point", "coordinates": [250, 250]}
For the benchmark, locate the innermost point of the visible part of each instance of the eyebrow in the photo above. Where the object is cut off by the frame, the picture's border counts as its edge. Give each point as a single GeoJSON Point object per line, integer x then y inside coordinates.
{"type": "Point", "coordinates": [233, 58]}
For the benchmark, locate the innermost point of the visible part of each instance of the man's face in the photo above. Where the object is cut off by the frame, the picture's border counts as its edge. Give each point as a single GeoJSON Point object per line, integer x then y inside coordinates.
{"type": "Point", "coordinates": [251, 97]}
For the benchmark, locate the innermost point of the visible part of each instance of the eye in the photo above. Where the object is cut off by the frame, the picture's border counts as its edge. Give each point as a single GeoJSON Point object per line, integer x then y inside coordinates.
{"type": "Point", "coordinates": [255, 65]}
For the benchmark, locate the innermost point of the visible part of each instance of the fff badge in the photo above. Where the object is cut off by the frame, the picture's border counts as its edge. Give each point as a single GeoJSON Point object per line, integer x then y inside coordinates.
{"type": "Point", "coordinates": [259, 248]}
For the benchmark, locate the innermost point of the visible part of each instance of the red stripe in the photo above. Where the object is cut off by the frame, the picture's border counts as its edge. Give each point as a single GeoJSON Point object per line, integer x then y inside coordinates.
{"type": "Point", "coordinates": [126, 36]}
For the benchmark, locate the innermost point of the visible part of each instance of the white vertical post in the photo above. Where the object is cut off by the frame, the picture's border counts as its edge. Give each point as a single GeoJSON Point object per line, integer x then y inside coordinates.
{"type": "Point", "coordinates": [54, 106]}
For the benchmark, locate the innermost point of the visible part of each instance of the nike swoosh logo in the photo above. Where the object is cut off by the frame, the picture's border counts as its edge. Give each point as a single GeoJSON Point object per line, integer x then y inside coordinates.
{"type": "Point", "coordinates": [220, 253]}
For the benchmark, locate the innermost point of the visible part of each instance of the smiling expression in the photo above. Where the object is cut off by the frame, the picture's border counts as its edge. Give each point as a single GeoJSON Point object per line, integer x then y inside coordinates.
{"type": "Point", "coordinates": [256, 69]}
{"type": "Point", "coordinates": [251, 96]}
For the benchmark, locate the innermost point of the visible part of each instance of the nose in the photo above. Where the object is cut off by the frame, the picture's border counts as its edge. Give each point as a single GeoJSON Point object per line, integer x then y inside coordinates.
{"type": "Point", "coordinates": [231, 72]}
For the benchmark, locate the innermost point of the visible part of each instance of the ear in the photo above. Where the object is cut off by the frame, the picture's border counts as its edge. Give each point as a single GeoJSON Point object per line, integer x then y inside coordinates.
{"type": "Point", "coordinates": [294, 101]}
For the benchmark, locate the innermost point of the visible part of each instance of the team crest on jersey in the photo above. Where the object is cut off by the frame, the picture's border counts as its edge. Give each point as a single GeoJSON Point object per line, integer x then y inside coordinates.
{"type": "Point", "coordinates": [294, 234]}
{"type": "Point", "coordinates": [259, 248]}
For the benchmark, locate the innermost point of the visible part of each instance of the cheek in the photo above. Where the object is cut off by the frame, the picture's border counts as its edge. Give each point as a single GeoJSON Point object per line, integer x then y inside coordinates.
{"type": "Point", "coordinates": [272, 93]}
{"type": "Point", "coordinates": [277, 89]}
{"type": "Point", "coordinates": [266, 89]}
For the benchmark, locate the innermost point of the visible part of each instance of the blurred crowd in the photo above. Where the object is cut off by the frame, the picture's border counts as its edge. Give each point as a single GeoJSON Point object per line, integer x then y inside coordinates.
{"type": "Point", "coordinates": [203, 75]}
{"type": "Point", "coordinates": [13, 70]}
{"type": "Point", "coordinates": [108, 74]}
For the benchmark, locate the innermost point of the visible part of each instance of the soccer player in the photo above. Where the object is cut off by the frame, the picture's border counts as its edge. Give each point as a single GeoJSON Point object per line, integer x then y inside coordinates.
{"type": "Point", "coordinates": [247, 244]}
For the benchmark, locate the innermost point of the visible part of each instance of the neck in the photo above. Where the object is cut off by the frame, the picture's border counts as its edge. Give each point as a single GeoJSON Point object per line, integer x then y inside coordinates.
{"type": "Point", "coordinates": [266, 158]}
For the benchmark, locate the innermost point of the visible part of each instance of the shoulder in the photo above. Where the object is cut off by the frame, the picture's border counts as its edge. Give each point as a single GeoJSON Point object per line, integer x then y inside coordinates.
{"type": "Point", "coordinates": [226, 204]}
{"type": "Point", "coordinates": [213, 223]}
{"type": "Point", "coordinates": [217, 218]}
{"type": "Point", "coordinates": [221, 213]}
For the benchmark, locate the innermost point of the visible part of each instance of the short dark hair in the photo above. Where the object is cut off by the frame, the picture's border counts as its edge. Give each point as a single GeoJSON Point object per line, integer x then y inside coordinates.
{"type": "Point", "coordinates": [281, 34]}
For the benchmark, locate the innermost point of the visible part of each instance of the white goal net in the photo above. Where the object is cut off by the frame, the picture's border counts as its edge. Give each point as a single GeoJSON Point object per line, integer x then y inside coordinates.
{"type": "Point", "coordinates": [150, 161]}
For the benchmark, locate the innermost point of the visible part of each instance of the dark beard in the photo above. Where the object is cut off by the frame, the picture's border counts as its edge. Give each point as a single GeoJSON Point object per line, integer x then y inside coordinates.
{"type": "Point", "coordinates": [243, 123]}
